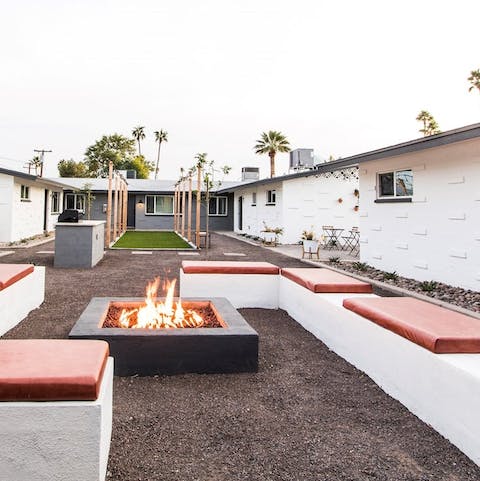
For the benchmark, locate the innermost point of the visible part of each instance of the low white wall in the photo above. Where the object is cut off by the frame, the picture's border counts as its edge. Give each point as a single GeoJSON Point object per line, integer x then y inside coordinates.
{"type": "Point", "coordinates": [17, 300]}
{"type": "Point", "coordinates": [437, 235]}
{"type": "Point", "coordinates": [441, 389]}
{"type": "Point", "coordinates": [61, 441]}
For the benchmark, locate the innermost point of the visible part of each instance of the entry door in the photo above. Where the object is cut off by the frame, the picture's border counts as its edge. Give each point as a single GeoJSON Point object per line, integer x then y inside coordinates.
{"type": "Point", "coordinates": [240, 213]}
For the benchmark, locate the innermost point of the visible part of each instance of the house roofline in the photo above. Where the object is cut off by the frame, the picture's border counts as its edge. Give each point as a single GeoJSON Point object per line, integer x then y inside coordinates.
{"type": "Point", "coordinates": [467, 132]}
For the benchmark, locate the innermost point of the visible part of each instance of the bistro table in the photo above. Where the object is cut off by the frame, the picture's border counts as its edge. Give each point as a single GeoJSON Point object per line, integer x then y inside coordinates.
{"type": "Point", "coordinates": [332, 237]}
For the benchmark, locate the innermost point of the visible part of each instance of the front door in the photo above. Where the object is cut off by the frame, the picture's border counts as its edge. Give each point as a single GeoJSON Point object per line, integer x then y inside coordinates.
{"type": "Point", "coordinates": [240, 213]}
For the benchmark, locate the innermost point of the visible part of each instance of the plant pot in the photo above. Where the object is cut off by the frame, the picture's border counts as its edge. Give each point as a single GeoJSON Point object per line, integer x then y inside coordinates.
{"type": "Point", "coordinates": [310, 246]}
{"type": "Point", "coordinates": [269, 237]}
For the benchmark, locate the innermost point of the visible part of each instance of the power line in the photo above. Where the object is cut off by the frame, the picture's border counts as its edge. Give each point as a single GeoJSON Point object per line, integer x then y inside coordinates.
{"type": "Point", "coordinates": [42, 153]}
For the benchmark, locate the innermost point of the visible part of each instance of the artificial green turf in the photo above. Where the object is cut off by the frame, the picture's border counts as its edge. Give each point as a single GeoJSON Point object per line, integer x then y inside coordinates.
{"type": "Point", "coordinates": [151, 240]}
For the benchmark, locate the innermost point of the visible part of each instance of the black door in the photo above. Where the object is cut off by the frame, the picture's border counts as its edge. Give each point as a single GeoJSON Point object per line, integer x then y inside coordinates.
{"type": "Point", "coordinates": [45, 211]}
{"type": "Point", "coordinates": [240, 213]}
{"type": "Point", "coordinates": [131, 212]}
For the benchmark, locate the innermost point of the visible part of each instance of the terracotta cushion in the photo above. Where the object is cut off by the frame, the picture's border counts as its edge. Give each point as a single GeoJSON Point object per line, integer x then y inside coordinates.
{"type": "Point", "coordinates": [228, 267]}
{"type": "Point", "coordinates": [11, 273]}
{"type": "Point", "coordinates": [325, 280]}
{"type": "Point", "coordinates": [51, 370]}
{"type": "Point", "coordinates": [437, 329]}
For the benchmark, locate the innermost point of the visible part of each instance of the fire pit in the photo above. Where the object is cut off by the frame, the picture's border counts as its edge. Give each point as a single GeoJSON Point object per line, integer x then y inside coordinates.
{"type": "Point", "coordinates": [168, 336]}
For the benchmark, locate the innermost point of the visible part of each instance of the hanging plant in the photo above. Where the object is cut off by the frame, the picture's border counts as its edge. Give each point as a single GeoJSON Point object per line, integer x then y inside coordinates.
{"type": "Point", "coordinates": [356, 193]}
{"type": "Point", "coordinates": [355, 208]}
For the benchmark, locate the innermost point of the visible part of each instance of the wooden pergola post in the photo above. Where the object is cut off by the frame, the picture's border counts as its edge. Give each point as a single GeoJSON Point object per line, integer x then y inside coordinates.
{"type": "Point", "coordinates": [109, 203]}
{"type": "Point", "coordinates": [175, 209]}
{"type": "Point", "coordinates": [189, 220]}
{"type": "Point", "coordinates": [183, 207]}
{"type": "Point", "coordinates": [115, 210]}
{"type": "Point", "coordinates": [199, 194]}
{"type": "Point", "coordinates": [125, 206]}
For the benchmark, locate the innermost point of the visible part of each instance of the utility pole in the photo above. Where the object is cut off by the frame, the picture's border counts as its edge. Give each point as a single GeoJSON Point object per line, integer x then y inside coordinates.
{"type": "Point", "coordinates": [42, 153]}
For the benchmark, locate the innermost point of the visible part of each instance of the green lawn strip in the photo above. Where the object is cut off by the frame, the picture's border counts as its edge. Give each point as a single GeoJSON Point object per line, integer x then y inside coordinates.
{"type": "Point", "coordinates": [151, 240]}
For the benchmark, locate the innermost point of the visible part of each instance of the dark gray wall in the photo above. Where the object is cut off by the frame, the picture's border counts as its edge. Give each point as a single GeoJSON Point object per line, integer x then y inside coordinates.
{"type": "Point", "coordinates": [161, 222]}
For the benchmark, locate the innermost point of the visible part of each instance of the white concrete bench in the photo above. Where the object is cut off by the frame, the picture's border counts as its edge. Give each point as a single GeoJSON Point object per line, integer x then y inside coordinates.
{"type": "Point", "coordinates": [55, 409]}
{"type": "Point", "coordinates": [244, 284]}
{"type": "Point", "coordinates": [22, 289]}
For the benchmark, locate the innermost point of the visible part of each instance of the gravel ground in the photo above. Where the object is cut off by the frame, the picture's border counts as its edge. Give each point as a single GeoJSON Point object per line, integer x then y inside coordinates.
{"type": "Point", "coordinates": [306, 415]}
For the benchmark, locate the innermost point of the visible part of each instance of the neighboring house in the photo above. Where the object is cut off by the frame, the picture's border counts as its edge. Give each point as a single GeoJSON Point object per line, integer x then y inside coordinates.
{"type": "Point", "coordinates": [298, 202]}
{"type": "Point", "coordinates": [150, 203]}
{"type": "Point", "coordinates": [29, 205]}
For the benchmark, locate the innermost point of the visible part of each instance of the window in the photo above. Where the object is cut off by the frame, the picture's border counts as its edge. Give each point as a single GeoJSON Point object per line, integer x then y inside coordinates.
{"type": "Point", "coordinates": [24, 192]}
{"type": "Point", "coordinates": [271, 197]}
{"type": "Point", "coordinates": [75, 201]}
{"type": "Point", "coordinates": [55, 204]}
{"type": "Point", "coordinates": [159, 205]}
{"type": "Point", "coordinates": [217, 206]}
{"type": "Point", "coordinates": [395, 184]}
{"type": "Point", "coordinates": [254, 198]}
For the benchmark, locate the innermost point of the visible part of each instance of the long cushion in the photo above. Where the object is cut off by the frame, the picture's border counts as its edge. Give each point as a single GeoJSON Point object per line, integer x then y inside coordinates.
{"type": "Point", "coordinates": [11, 273]}
{"type": "Point", "coordinates": [324, 280]}
{"type": "Point", "coordinates": [51, 369]}
{"type": "Point", "coordinates": [433, 327]}
{"type": "Point", "coordinates": [228, 267]}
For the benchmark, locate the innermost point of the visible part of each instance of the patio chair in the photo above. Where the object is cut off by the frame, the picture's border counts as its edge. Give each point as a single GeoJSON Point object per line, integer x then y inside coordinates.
{"type": "Point", "coordinates": [352, 241]}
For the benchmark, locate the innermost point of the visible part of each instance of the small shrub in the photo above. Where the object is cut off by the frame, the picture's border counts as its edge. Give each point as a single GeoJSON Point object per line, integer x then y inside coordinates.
{"type": "Point", "coordinates": [360, 266]}
{"type": "Point", "coordinates": [390, 276]}
{"type": "Point", "coordinates": [428, 286]}
{"type": "Point", "coordinates": [334, 260]}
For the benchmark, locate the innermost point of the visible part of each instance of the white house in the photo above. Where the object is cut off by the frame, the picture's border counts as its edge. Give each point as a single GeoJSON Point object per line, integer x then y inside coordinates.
{"type": "Point", "coordinates": [29, 205]}
{"type": "Point", "coordinates": [298, 202]}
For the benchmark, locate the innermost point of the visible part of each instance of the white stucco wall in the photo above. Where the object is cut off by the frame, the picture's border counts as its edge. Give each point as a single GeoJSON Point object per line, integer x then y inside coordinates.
{"type": "Point", "coordinates": [437, 235]}
{"type": "Point", "coordinates": [301, 203]}
{"type": "Point", "coordinates": [6, 207]}
{"type": "Point", "coordinates": [27, 215]}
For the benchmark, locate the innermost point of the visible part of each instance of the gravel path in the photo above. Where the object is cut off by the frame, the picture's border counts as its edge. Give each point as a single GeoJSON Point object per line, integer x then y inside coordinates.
{"type": "Point", "coordinates": [306, 415]}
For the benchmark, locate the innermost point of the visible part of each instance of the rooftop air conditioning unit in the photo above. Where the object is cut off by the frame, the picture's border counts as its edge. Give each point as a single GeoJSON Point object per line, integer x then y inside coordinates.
{"type": "Point", "coordinates": [301, 159]}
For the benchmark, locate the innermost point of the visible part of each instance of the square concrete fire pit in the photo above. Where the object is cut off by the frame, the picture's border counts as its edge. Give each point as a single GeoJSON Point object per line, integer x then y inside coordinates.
{"type": "Point", "coordinates": [230, 348]}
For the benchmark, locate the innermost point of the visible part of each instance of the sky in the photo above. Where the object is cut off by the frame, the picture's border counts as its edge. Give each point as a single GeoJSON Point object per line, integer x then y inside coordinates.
{"type": "Point", "coordinates": [341, 77]}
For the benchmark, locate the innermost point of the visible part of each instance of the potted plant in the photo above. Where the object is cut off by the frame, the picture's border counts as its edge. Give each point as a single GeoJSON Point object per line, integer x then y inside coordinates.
{"type": "Point", "coordinates": [310, 243]}
{"type": "Point", "coordinates": [356, 193]}
{"type": "Point", "coordinates": [270, 234]}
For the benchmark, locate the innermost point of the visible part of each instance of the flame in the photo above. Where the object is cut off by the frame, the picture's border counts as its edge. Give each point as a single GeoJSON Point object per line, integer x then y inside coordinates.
{"type": "Point", "coordinates": [160, 315]}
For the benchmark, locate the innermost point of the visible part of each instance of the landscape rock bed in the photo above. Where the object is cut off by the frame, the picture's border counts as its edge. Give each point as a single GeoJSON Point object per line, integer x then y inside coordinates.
{"type": "Point", "coordinates": [457, 296]}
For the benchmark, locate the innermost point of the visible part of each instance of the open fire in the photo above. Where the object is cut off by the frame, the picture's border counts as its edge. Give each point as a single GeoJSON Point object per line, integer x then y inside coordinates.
{"type": "Point", "coordinates": [161, 314]}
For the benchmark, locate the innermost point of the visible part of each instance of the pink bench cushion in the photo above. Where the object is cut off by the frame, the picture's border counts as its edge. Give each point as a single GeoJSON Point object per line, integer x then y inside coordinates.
{"type": "Point", "coordinates": [325, 280]}
{"type": "Point", "coordinates": [11, 273]}
{"type": "Point", "coordinates": [228, 267]}
{"type": "Point", "coordinates": [437, 329]}
{"type": "Point", "coordinates": [51, 370]}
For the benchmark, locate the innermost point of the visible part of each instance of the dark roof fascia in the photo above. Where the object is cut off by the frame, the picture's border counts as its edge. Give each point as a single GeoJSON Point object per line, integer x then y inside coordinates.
{"type": "Point", "coordinates": [449, 137]}
{"type": "Point", "coordinates": [15, 173]}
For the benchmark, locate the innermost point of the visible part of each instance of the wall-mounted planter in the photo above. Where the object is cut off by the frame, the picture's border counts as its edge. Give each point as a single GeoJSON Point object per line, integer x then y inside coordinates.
{"type": "Point", "coordinates": [355, 208]}
{"type": "Point", "coordinates": [340, 200]}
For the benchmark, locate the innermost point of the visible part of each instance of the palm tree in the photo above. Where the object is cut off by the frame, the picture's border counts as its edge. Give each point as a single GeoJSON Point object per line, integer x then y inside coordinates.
{"type": "Point", "coordinates": [430, 125]}
{"type": "Point", "coordinates": [160, 136]}
{"type": "Point", "coordinates": [138, 134]}
{"type": "Point", "coordinates": [271, 143]}
{"type": "Point", "coordinates": [474, 79]}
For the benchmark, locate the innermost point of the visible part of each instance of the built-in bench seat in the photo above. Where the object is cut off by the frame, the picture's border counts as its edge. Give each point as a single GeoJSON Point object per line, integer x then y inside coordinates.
{"type": "Point", "coordinates": [433, 327]}
{"type": "Point", "coordinates": [325, 280]}
{"type": "Point", "coordinates": [55, 409]}
{"type": "Point", "coordinates": [244, 284]}
{"type": "Point", "coordinates": [22, 289]}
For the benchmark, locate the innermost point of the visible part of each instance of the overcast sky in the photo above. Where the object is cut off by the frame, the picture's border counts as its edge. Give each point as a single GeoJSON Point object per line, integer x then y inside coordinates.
{"type": "Point", "coordinates": [342, 77]}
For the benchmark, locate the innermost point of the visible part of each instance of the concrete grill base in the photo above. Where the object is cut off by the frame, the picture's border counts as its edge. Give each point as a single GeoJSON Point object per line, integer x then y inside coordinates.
{"type": "Point", "coordinates": [146, 352]}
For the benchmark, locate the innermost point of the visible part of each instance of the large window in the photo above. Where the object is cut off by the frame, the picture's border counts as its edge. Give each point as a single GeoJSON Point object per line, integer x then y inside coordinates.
{"type": "Point", "coordinates": [75, 201]}
{"type": "Point", "coordinates": [217, 206]}
{"type": "Point", "coordinates": [55, 205]}
{"type": "Point", "coordinates": [159, 205]}
{"type": "Point", "coordinates": [24, 192]}
{"type": "Point", "coordinates": [398, 183]}
{"type": "Point", "coordinates": [271, 197]}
